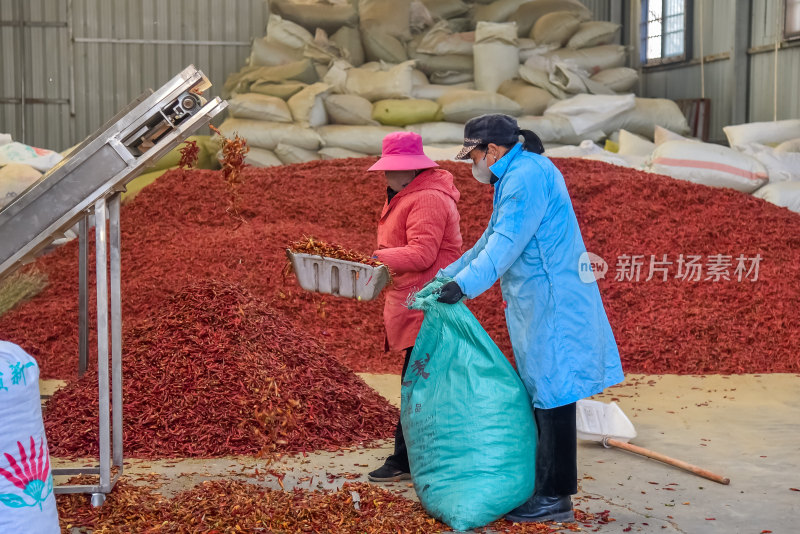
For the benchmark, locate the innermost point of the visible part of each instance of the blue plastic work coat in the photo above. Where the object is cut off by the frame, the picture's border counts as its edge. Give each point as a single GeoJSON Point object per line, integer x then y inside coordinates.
{"type": "Point", "coordinates": [562, 341]}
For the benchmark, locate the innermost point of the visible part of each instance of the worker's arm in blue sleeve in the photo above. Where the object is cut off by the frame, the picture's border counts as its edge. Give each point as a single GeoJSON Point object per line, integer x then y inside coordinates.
{"type": "Point", "coordinates": [454, 268]}
{"type": "Point", "coordinates": [520, 210]}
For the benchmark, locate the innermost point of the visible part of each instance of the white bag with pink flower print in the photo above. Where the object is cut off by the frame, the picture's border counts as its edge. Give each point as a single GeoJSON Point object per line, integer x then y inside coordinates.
{"type": "Point", "coordinates": [27, 503]}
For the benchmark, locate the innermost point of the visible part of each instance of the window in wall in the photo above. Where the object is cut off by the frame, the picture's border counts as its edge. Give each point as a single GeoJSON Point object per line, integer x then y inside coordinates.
{"type": "Point", "coordinates": [663, 31]}
{"type": "Point", "coordinates": [791, 28]}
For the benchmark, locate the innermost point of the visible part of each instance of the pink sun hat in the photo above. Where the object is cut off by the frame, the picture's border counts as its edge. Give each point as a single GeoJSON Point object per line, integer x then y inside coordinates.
{"type": "Point", "coordinates": [402, 151]}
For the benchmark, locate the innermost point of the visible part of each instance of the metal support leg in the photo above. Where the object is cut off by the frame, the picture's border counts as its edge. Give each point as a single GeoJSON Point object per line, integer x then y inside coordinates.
{"type": "Point", "coordinates": [83, 296]}
{"type": "Point", "coordinates": [116, 330]}
{"type": "Point", "coordinates": [105, 241]}
{"type": "Point", "coordinates": [102, 342]}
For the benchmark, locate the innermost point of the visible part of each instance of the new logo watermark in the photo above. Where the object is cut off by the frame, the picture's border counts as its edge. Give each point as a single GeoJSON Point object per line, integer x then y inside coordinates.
{"type": "Point", "coordinates": [591, 267]}
{"type": "Point", "coordinates": [686, 268]}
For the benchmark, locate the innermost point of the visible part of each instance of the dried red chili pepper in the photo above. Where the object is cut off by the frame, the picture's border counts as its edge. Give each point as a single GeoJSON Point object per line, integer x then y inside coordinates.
{"type": "Point", "coordinates": [189, 154]}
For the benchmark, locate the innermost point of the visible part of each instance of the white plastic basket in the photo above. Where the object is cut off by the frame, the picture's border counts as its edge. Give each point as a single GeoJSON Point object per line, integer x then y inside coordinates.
{"type": "Point", "coordinates": [338, 277]}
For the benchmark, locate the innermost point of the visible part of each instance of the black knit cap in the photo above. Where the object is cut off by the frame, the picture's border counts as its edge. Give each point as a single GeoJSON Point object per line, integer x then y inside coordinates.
{"type": "Point", "coordinates": [492, 128]}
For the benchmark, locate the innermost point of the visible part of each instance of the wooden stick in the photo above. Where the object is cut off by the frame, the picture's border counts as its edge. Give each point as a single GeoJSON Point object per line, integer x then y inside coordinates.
{"type": "Point", "coordinates": [667, 460]}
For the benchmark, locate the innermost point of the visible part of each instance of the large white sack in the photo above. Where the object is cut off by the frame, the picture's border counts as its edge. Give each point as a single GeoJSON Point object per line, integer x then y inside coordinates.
{"type": "Point", "coordinates": [452, 78]}
{"type": "Point", "coordinates": [438, 133]}
{"type": "Point", "coordinates": [618, 79]}
{"type": "Point", "coordinates": [265, 53]}
{"type": "Point", "coordinates": [533, 100]}
{"type": "Point", "coordinates": [333, 152]}
{"type": "Point", "coordinates": [792, 145]}
{"type": "Point", "coordinates": [497, 11]}
{"type": "Point", "coordinates": [364, 139]}
{"type": "Point", "coordinates": [419, 78]}
{"type": "Point", "coordinates": [259, 107]}
{"type": "Point", "coordinates": [328, 16]}
{"type": "Point", "coordinates": [380, 46]}
{"type": "Point", "coordinates": [259, 157]}
{"type": "Point", "coordinates": [648, 113]}
{"type": "Point", "coordinates": [766, 133]}
{"type": "Point", "coordinates": [27, 501]}
{"type": "Point", "coordinates": [784, 194]}
{"type": "Point", "coordinates": [14, 179]}
{"type": "Point", "coordinates": [287, 33]}
{"type": "Point", "coordinates": [541, 78]}
{"type": "Point", "coordinates": [289, 154]}
{"type": "Point", "coordinates": [556, 27]}
{"type": "Point", "coordinates": [594, 33]}
{"type": "Point", "coordinates": [420, 19]}
{"type": "Point", "coordinates": [40, 159]}
{"type": "Point", "coordinates": [5, 139]}
{"type": "Point", "coordinates": [708, 164]}
{"type": "Point", "coordinates": [349, 42]}
{"type": "Point", "coordinates": [441, 40]}
{"type": "Point", "coordinates": [282, 90]}
{"type": "Point", "coordinates": [460, 106]}
{"type": "Point", "coordinates": [322, 51]}
{"type": "Point", "coordinates": [496, 54]}
{"type": "Point", "coordinates": [396, 82]}
{"type": "Point", "coordinates": [442, 65]}
{"type": "Point", "coordinates": [574, 80]}
{"type": "Point", "coordinates": [591, 112]}
{"type": "Point", "coordinates": [434, 91]}
{"type": "Point", "coordinates": [529, 13]}
{"type": "Point", "coordinates": [264, 134]}
{"type": "Point", "coordinates": [387, 17]}
{"type": "Point", "coordinates": [662, 135]}
{"type": "Point", "coordinates": [781, 166]}
{"type": "Point", "coordinates": [308, 106]}
{"type": "Point", "coordinates": [557, 129]}
{"type": "Point", "coordinates": [592, 60]}
{"type": "Point", "coordinates": [446, 9]}
{"type": "Point", "coordinates": [248, 78]}
{"type": "Point", "coordinates": [442, 152]}
{"type": "Point", "coordinates": [631, 144]}
{"type": "Point", "coordinates": [349, 109]}
{"type": "Point", "coordinates": [372, 83]}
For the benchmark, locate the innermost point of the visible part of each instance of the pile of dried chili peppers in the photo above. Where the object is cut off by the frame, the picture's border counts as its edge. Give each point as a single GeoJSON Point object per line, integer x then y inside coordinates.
{"type": "Point", "coordinates": [310, 245]}
{"type": "Point", "coordinates": [662, 326]}
{"type": "Point", "coordinates": [215, 372]}
{"type": "Point", "coordinates": [227, 506]}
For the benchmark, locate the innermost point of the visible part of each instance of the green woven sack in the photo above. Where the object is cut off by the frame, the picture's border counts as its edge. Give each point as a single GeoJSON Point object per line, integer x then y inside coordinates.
{"type": "Point", "coordinates": [467, 419]}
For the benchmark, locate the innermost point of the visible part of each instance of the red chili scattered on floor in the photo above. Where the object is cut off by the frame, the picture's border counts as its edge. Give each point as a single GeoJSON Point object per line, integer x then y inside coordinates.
{"type": "Point", "coordinates": [235, 506]}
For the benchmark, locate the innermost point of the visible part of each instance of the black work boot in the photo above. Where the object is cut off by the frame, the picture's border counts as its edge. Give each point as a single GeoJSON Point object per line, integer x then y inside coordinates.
{"type": "Point", "coordinates": [540, 508]}
{"type": "Point", "coordinates": [388, 473]}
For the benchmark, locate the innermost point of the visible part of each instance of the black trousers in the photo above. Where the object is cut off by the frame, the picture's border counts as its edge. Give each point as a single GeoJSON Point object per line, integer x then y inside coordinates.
{"type": "Point", "coordinates": [556, 452]}
{"type": "Point", "coordinates": [399, 459]}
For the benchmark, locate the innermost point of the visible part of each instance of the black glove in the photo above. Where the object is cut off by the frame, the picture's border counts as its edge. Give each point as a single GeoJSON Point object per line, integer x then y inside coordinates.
{"type": "Point", "coordinates": [450, 293]}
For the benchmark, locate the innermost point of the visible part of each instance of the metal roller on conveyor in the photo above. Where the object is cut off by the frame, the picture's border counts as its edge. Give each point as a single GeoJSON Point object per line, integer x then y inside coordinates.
{"type": "Point", "coordinates": [89, 181]}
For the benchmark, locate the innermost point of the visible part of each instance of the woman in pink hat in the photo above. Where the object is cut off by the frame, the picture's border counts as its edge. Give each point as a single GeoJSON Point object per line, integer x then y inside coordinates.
{"type": "Point", "coordinates": [418, 234]}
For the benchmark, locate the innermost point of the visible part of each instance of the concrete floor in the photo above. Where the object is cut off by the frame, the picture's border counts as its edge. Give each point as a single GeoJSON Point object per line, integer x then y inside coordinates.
{"type": "Point", "coordinates": [745, 427]}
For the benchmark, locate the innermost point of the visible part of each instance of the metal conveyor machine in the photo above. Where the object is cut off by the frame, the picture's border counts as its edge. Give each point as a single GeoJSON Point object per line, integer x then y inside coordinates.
{"type": "Point", "coordinates": [89, 181]}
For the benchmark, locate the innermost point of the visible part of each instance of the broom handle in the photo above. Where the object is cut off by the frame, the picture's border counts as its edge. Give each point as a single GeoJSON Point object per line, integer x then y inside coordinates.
{"type": "Point", "coordinates": [667, 460]}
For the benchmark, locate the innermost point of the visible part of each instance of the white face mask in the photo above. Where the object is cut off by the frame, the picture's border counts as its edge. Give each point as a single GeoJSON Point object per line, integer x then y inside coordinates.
{"type": "Point", "coordinates": [481, 172]}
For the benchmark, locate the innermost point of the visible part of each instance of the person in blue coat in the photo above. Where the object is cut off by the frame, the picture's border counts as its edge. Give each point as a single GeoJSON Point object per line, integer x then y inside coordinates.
{"type": "Point", "coordinates": [562, 341]}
